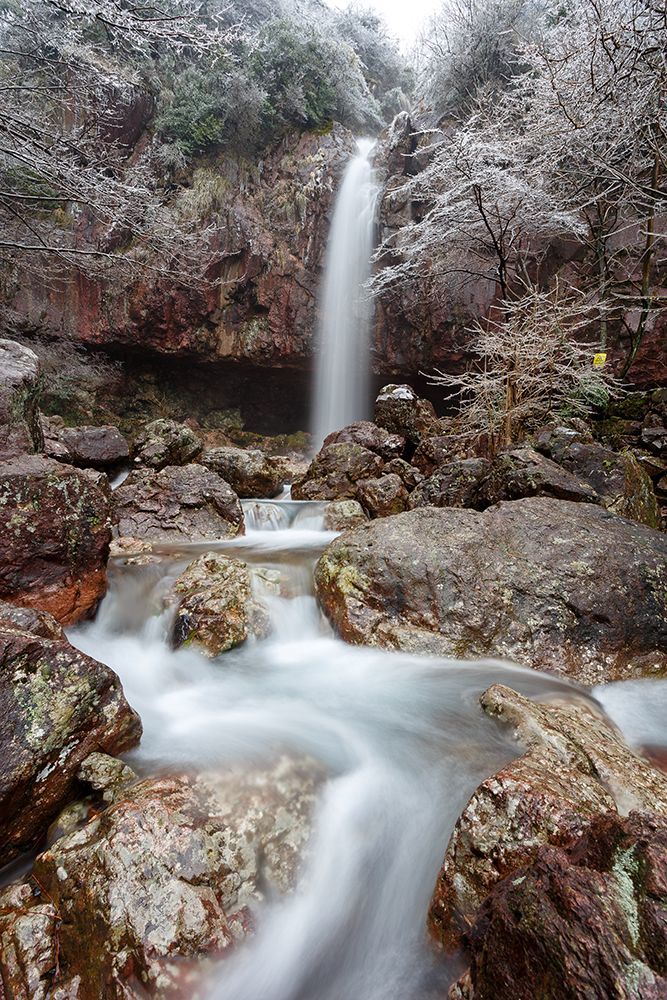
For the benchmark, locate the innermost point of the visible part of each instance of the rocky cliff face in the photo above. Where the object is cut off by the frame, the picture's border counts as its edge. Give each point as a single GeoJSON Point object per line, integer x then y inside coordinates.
{"type": "Point", "coordinates": [269, 223]}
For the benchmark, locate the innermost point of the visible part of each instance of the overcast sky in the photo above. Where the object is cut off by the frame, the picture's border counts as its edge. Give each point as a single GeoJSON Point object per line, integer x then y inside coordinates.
{"type": "Point", "coordinates": [404, 17]}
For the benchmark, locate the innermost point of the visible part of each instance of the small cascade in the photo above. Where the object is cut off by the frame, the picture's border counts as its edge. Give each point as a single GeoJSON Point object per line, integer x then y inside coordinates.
{"type": "Point", "coordinates": [342, 365]}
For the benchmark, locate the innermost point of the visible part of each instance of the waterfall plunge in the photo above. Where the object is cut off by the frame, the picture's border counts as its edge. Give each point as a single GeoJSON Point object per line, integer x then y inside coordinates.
{"type": "Point", "coordinates": [342, 366]}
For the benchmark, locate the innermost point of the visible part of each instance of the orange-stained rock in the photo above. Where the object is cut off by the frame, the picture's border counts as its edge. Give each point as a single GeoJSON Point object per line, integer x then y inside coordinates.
{"type": "Point", "coordinates": [54, 537]}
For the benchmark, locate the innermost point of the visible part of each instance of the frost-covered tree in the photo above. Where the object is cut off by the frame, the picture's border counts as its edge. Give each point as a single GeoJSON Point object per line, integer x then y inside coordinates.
{"type": "Point", "coordinates": [529, 362]}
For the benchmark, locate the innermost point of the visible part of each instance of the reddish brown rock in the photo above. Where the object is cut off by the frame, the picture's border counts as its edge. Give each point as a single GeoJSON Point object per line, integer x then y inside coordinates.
{"type": "Point", "coordinates": [524, 472]}
{"type": "Point", "coordinates": [383, 496]}
{"type": "Point", "coordinates": [564, 587]}
{"type": "Point", "coordinates": [409, 475]}
{"type": "Point", "coordinates": [176, 504]}
{"type": "Point", "coordinates": [435, 452]}
{"type": "Point", "coordinates": [619, 479]}
{"type": "Point", "coordinates": [590, 921]}
{"type": "Point", "coordinates": [370, 436]}
{"type": "Point", "coordinates": [20, 429]}
{"type": "Point", "coordinates": [336, 471]}
{"type": "Point", "coordinates": [172, 871]}
{"type": "Point", "coordinates": [250, 473]}
{"type": "Point", "coordinates": [94, 447]}
{"type": "Point", "coordinates": [457, 484]}
{"type": "Point", "coordinates": [54, 537]}
{"type": "Point", "coordinates": [57, 706]}
{"type": "Point", "coordinates": [575, 769]}
{"type": "Point", "coordinates": [165, 442]}
{"type": "Point", "coordinates": [401, 411]}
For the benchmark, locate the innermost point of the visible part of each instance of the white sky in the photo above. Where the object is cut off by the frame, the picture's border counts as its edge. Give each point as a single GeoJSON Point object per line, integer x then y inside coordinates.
{"type": "Point", "coordinates": [404, 17]}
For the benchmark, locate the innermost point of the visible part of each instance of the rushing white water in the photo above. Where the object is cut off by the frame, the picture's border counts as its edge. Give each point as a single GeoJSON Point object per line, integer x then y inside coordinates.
{"type": "Point", "coordinates": [342, 361]}
{"type": "Point", "coordinates": [402, 739]}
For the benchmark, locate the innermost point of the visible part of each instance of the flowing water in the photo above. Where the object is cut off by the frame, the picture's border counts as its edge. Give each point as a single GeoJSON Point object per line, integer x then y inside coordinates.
{"type": "Point", "coordinates": [342, 360]}
{"type": "Point", "coordinates": [402, 740]}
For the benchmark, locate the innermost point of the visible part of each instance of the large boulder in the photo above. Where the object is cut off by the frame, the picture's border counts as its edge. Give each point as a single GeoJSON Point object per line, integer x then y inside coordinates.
{"type": "Point", "coordinates": [20, 429]}
{"type": "Point", "coordinates": [94, 447]}
{"type": "Point", "coordinates": [575, 769]}
{"type": "Point", "coordinates": [170, 872]}
{"type": "Point", "coordinates": [176, 504]}
{"type": "Point", "coordinates": [54, 537]}
{"type": "Point", "coordinates": [457, 484]}
{"type": "Point", "coordinates": [370, 436]}
{"type": "Point", "coordinates": [524, 472]}
{"type": "Point", "coordinates": [564, 587]}
{"type": "Point", "coordinates": [165, 442]}
{"type": "Point", "coordinates": [621, 483]}
{"type": "Point", "coordinates": [249, 473]}
{"type": "Point", "coordinates": [216, 609]}
{"type": "Point", "coordinates": [336, 471]}
{"type": "Point", "coordinates": [589, 921]}
{"type": "Point", "coordinates": [401, 411]}
{"type": "Point", "coordinates": [57, 706]}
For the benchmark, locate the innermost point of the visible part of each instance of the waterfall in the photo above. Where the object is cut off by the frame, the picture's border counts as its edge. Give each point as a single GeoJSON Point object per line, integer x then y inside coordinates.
{"type": "Point", "coordinates": [342, 364]}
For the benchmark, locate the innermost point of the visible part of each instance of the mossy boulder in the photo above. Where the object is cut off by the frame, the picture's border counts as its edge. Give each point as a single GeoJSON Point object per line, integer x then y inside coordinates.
{"type": "Point", "coordinates": [165, 442]}
{"type": "Point", "coordinates": [250, 473]}
{"type": "Point", "coordinates": [58, 706]}
{"type": "Point", "coordinates": [216, 607]}
{"type": "Point", "coordinates": [336, 471]}
{"type": "Point", "coordinates": [569, 588]}
{"type": "Point", "coordinates": [54, 537]}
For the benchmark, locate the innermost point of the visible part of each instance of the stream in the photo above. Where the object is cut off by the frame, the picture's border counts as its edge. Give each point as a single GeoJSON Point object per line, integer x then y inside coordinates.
{"type": "Point", "coordinates": [402, 739]}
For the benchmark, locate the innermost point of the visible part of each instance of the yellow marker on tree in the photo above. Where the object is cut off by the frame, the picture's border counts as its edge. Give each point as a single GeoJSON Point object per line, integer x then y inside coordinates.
{"type": "Point", "coordinates": [599, 360]}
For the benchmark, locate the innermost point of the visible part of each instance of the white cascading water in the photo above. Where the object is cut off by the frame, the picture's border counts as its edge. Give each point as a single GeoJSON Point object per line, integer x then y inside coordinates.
{"type": "Point", "coordinates": [342, 356]}
{"type": "Point", "coordinates": [402, 739]}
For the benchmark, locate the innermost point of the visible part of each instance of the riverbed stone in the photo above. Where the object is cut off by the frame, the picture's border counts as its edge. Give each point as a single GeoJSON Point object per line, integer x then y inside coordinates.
{"type": "Point", "coordinates": [54, 537]}
{"type": "Point", "coordinates": [370, 436]}
{"type": "Point", "coordinates": [564, 587]}
{"type": "Point", "coordinates": [341, 515]}
{"type": "Point", "coordinates": [170, 873]}
{"type": "Point", "coordinates": [401, 411]}
{"type": "Point", "coordinates": [20, 429]}
{"type": "Point", "coordinates": [185, 503]}
{"type": "Point", "coordinates": [216, 609]}
{"type": "Point", "coordinates": [58, 706]}
{"type": "Point", "coordinates": [94, 447]}
{"type": "Point", "coordinates": [165, 442]}
{"type": "Point", "coordinates": [250, 473]}
{"type": "Point", "coordinates": [336, 471]}
{"type": "Point", "coordinates": [383, 496]}
{"type": "Point", "coordinates": [575, 768]}
{"type": "Point", "coordinates": [586, 921]}
{"type": "Point", "coordinates": [457, 484]}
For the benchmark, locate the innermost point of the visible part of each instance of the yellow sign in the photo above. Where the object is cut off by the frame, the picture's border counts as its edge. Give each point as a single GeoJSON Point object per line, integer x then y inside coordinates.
{"type": "Point", "coordinates": [599, 360]}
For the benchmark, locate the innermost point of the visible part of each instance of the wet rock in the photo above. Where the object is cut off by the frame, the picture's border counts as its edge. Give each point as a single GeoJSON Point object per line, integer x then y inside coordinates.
{"type": "Point", "coordinates": [457, 484]}
{"type": "Point", "coordinates": [57, 706]}
{"type": "Point", "coordinates": [165, 442]}
{"type": "Point", "coordinates": [40, 623]}
{"type": "Point", "coordinates": [28, 946]}
{"type": "Point", "coordinates": [249, 473]}
{"type": "Point", "coordinates": [383, 496]}
{"type": "Point", "coordinates": [410, 476]}
{"type": "Point", "coordinates": [172, 871]}
{"type": "Point", "coordinates": [524, 472]}
{"type": "Point", "coordinates": [94, 447]}
{"type": "Point", "coordinates": [575, 769]}
{"type": "Point", "coordinates": [623, 486]}
{"type": "Point", "coordinates": [335, 472]}
{"type": "Point", "coordinates": [564, 587]}
{"type": "Point", "coordinates": [370, 436]}
{"type": "Point", "coordinates": [20, 429]}
{"type": "Point", "coordinates": [54, 537]}
{"type": "Point", "coordinates": [106, 775]}
{"type": "Point", "coordinates": [341, 515]}
{"type": "Point", "coordinates": [176, 504]}
{"type": "Point", "coordinates": [216, 607]}
{"type": "Point", "coordinates": [589, 921]}
{"type": "Point", "coordinates": [401, 411]}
